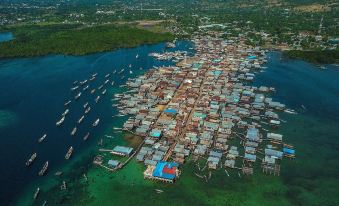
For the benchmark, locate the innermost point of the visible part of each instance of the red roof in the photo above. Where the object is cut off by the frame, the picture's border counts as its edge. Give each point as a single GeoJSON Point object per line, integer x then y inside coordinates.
{"type": "Point", "coordinates": [169, 170]}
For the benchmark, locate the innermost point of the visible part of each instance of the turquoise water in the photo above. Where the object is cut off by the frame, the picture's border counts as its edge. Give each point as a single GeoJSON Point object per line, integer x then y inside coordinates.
{"type": "Point", "coordinates": [6, 36]}
{"type": "Point", "coordinates": [33, 93]}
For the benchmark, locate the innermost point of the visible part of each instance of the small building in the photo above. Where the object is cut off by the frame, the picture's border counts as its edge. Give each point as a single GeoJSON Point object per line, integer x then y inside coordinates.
{"type": "Point", "coordinates": [122, 150]}
{"type": "Point", "coordinates": [166, 171]}
{"type": "Point", "coordinates": [113, 163]}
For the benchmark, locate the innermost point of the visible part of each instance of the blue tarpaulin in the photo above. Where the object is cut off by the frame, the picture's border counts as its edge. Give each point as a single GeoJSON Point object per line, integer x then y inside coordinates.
{"type": "Point", "coordinates": [172, 111]}
{"type": "Point", "coordinates": [288, 151]}
{"type": "Point", "coordinates": [251, 57]}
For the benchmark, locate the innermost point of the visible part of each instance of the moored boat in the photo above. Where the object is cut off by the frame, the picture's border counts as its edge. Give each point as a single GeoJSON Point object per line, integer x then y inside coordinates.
{"type": "Point", "coordinates": [31, 159]}
{"type": "Point", "coordinates": [86, 104]}
{"type": "Point", "coordinates": [83, 82]}
{"type": "Point", "coordinates": [96, 122]}
{"type": "Point", "coordinates": [86, 136]}
{"type": "Point", "coordinates": [97, 99]}
{"type": "Point", "coordinates": [43, 169]}
{"type": "Point", "coordinates": [65, 112]}
{"type": "Point", "coordinates": [92, 91]}
{"type": "Point", "coordinates": [85, 88]}
{"type": "Point", "coordinates": [67, 103]}
{"type": "Point", "coordinates": [106, 81]}
{"type": "Point", "coordinates": [100, 87]}
{"type": "Point", "coordinates": [81, 119]}
{"type": "Point", "coordinates": [87, 110]}
{"type": "Point", "coordinates": [74, 88]}
{"type": "Point", "coordinates": [74, 131]}
{"type": "Point", "coordinates": [103, 92]}
{"type": "Point", "coordinates": [77, 96]}
{"type": "Point", "coordinates": [107, 75]}
{"type": "Point", "coordinates": [42, 138]}
{"type": "Point", "coordinates": [60, 121]}
{"type": "Point", "coordinates": [36, 193]}
{"type": "Point", "coordinates": [69, 153]}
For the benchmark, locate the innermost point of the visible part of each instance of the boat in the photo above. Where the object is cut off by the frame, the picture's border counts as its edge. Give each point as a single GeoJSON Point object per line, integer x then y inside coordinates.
{"type": "Point", "coordinates": [75, 82]}
{"type": "Point", "coordinates": [92, 91]}
{"type": "Point", "coordinates": [92, 78]}
{"type": "Point", "coordinates": [81, 119]}
{"type": "Point", "coordinates": [65, 112]}
{"type": "Point", "coordinates": [85, 88]}
{"type": "Point", "coordinates": [130, 71]}
{"type": "Point", "coordinates": [103, 92]}
{"type": "Point", "coordinates": [112, 83]}
{"type": "Point", "coordinates": [58, 173]}
{"type": "Point", "coordinates": [96, 122]}
{"type": "Point", "coordinates": [74, 88]}
{"type": "Point", "coordinates": [107, 75]}
{"type": "Point", "coordinates": [97, 99]}
{"type": "Point", "coordinates": [36, 193]}
{"type": "Point", "coordinates": [106, 81]}
{"type": "Point", "coordinates": [86, 104]}
{"type": "Point", "coordinates": [42, 138]}
{"type": "Point", "coordinates": [94, 75]}
{"type": "Point", "coordinates": [115, 71]}
{"type": "Point", "coordinates": [31, 159]}
{"type": "Point", "coordinates": [43, 169]}
{"type": "Point", "coordinates": [100, 87]}
{"type": "Point", "coordinates": [86, 136]}
{"type": "Point", "coordinates": [44, 204]}
{"type": "Point", "coordinates": [290, 111]}
{"type": "Point", "coordinates": [87, 110]}
{"type": "Point", "coordinates": [117, 128]}
{"type": "Point", "coordinates": [69, 153]}
{"type": "Point", "coordinates": [122, 77]}
{"type": "Point", "coordinates": [67, 103]}
{"type": "Point", "coordinates": [140, 68]}
{"type": "Point", "coordinates": [74, 131]}
{"type": "Point", "coordinates": [121, 71]}
{"type": "Point", "coordinates": [159, 191]}
{"type": "Point", "coordinates": [130, 65]}
{"type": "Point", "coordinates": [77, 96]}
{"type": "Point", "coordinates": [60, 121]}
{"type": "Point", "coordinates": [137, 56]}
{"type": "Point", "coordinates": [83, 82]}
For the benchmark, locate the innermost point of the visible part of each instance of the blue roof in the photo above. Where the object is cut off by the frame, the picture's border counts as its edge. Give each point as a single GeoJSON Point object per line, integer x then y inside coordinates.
{"type": "Point", "coordinates": [156, 133]}
{"type": "Point", "coordinates": [251, 57]}
{"type": "Point", "coordinates": [288, 150]}
{"type": "Point", "coordinates": [172, 111]}
{"type": "Point", "coordinates": [113, 163]}
{"type": "Point", "coordinates": [158, 171]}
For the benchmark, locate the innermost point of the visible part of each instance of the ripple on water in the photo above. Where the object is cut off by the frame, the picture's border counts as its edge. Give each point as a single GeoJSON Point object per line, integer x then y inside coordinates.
{"type": "Point", "coordinates": [7, 118]}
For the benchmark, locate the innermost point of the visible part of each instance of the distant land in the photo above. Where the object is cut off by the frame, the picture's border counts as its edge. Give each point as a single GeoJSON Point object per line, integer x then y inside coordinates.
{"type": "Point", "coordinates": [39, 40]}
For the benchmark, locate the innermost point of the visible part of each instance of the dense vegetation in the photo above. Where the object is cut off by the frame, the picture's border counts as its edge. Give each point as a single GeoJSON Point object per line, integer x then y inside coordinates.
{"type": "Point", "coordinates": [75, 40]}
{"type": "Point", "coordinates": [317, 57]}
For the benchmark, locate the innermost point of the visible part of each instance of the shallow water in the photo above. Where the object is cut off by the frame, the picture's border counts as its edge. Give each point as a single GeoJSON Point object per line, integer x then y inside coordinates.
{"type": "Point", "coordinates": [6, 36]}
{"type": "Point", "coordinates": [33, 93]}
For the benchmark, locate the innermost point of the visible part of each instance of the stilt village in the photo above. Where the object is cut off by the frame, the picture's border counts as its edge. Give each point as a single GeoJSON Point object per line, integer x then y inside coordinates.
{"type": "Point", "coordinates": [204, 108]}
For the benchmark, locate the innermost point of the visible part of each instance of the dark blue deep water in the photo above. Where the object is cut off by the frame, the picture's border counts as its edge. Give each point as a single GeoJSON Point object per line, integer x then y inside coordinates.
{"type": "Point", "coordinates": [32, 97]}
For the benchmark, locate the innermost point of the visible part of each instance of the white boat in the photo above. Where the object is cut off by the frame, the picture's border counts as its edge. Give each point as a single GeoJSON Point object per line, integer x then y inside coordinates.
{"type": "Point", "coordinates": [74, 131]}
{"type": "Point", "coordinates": [74, 88]}
{"type": "Point", "coordinates": [92, 91]}
{"type": "Point", "coordinates": [137, 56]}
{"type": "Point", "coordinates": [92, 78]}
{"type": "Point", "coordinates": [77, 96]}
{"type": "Point", "coordinates": [130, 65]}
{"type": "Point", "coordinates": [85, 88]}
{"type": "Point", "coordinates": [87, 110]}
{"type": "Point", "coordinates": [42, 138]}
{"type": "Point", "coordinates": [97, 99]}
{"type": "Point", "coordinates": [107, 75]}
{"type": "Point", "coordinates": [60, 121]}
{"type": "Point", "coordinates": [103, 92]}
{"type": "Point", "coordinates": [290, 111]}
{"type": "Point", "coordinates": [85, 105]}
{"type": "Point", "coordinates": [86, 136]}
{"type": "Point", "coordinates": [96, 122]}
{"type": "Point", "coordinates": [81, 119]}
{"type": "Point", "coordinates": [83, 82]}
{"type": "Point", "coordinates": [130, 71]}
{"type": "Point", "coordinates": [106, 81]}
{"type": "Point", "coordinates": [69, 153]}
{"type": "Point", "coordinates": [65, 112]}
{"type": "Point", "coordinates": [117, 128]}
{"type": "Point", "coordinates": [67, 103]}
{"type": "Point", "coordinates": [112, 83]}
{"type": "Point", "coordinates": [100, 87]}
{"type": "Point", "coordinates": [94, 75]}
